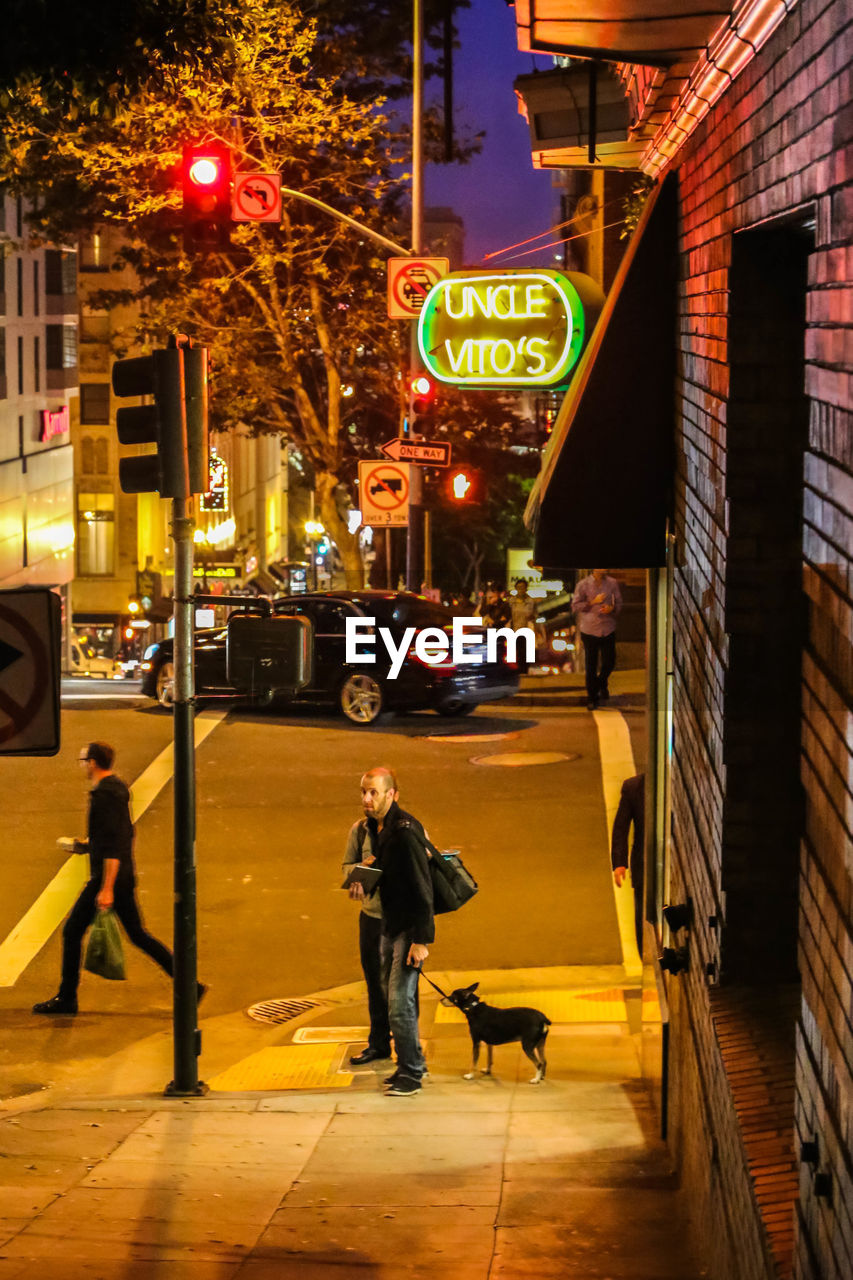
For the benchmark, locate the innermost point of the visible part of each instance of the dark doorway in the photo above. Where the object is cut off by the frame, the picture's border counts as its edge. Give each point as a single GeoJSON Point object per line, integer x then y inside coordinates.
{"type": "Point", "coordinates": [766, 440]}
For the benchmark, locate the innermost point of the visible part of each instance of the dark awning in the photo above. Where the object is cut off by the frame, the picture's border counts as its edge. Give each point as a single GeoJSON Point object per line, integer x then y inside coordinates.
{"type": "Point", "coordinates": [603, 494]}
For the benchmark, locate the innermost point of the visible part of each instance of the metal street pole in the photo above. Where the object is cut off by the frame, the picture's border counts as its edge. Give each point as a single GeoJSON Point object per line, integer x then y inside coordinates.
{"type": "Point", "coordinates": [414, 540]}
{"type": "Point", "coordinates": [186, 1035]}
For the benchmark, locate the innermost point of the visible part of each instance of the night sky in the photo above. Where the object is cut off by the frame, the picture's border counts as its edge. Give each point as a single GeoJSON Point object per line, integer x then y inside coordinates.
{"type": "Point", "coordinates": [501, 198]}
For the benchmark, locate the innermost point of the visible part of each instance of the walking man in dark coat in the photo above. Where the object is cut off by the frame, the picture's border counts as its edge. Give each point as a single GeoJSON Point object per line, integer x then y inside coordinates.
{"type": "Point", "coordinates": [112, 878]}
{"type": "Point", "coordinates": [631, 811]}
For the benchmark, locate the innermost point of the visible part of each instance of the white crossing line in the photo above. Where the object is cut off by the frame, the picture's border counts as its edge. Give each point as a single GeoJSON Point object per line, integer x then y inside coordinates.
{"type": "Point", "coordinates": [48, 911]}
{"type": "Point", "coordinates": [617, 764]}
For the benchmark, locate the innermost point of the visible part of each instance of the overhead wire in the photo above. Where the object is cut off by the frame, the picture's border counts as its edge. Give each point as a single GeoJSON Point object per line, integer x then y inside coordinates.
{"type": "Point", "coordinates": [496, 253]}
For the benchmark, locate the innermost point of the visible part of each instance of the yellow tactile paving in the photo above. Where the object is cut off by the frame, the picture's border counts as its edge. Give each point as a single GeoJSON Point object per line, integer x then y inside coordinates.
{"type": "Point", "coordinates": [559, 1006]}
{"type": "Point", "coordinates": [303, 1066]}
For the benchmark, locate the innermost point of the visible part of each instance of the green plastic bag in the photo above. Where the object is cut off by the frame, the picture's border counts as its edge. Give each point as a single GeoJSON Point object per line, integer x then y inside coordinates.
{"type": "Point", "coordinates": [104, 952]}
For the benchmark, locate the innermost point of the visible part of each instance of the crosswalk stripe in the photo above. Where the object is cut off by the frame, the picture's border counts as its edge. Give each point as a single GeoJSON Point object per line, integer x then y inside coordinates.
{"type": "Point", "coordinates": [617, 764]}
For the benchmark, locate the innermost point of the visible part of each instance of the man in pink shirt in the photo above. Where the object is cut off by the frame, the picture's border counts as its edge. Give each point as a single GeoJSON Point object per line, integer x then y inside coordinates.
{"type": "Point", "coordinates": [597, 602]}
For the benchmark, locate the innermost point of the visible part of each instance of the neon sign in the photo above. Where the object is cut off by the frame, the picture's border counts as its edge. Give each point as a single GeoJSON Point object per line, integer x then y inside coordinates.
{"type": "Point", "coordinates": [507, 328]}
{"type": "Point", "coordinates": [54, 422]}
{"type": "Point", "coordinates": [216, 498]}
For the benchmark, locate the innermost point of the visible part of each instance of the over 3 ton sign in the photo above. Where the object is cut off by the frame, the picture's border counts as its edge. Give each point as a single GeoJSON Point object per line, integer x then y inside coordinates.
{"type": "Point", "coordinates": [507, 328]}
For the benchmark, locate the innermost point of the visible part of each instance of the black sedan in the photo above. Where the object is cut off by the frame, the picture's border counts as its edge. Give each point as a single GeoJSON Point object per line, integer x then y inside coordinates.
{"type": "Point", "coordinates": [361, 690]}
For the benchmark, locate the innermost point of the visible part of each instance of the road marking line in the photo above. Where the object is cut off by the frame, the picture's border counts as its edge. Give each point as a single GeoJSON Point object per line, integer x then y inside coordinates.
{"type": "Point", "coordinates": [617, 764]}
{"type": "Point", "coordinates": [33, 930]}
{"type": "Point", "coordinates": [52, 905]}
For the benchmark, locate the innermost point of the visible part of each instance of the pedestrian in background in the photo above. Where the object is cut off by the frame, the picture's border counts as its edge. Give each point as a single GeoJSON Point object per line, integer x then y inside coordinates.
{"type": "Point", "coordinates": [597, 602]}
{"type": "Point", "coordinates": [361, 845]}
{"type": "Point", "coordinates": [408, 926]}
{"type": "Point", "coordinates": [112, 878]}
{"type": "Point", "coordinates": [626, 854]}
{"type": "Point", "coordinates": [494, 609]}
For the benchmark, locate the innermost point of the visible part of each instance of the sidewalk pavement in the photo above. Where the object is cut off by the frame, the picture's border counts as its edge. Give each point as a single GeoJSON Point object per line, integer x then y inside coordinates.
{"type": "Point", "coordinates": [568, 689]}
{"type": "Point", "coordinates": [294, 1166]}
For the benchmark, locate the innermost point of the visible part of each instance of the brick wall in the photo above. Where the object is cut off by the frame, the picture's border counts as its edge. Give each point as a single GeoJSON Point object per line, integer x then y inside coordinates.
{"type": "Point", "coordinates": [777, 143]}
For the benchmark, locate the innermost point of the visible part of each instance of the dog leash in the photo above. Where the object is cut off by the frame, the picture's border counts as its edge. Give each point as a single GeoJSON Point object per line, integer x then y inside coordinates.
{"type": "Point", "coordinates": [432, 984]}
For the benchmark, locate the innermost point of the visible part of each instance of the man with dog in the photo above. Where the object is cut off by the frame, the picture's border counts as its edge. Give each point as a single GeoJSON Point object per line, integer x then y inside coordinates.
{"type": "Point", "coordinates": [397, 841]}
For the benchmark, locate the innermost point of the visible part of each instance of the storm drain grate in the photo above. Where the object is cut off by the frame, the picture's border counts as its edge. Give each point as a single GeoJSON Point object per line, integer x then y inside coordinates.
{"type": "Point", "coordinates": [278, 1011]}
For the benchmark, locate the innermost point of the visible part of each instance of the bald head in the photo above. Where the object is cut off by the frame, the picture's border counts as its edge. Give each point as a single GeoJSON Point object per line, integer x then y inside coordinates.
{"type": "Point", "coordinates": [378, 792]}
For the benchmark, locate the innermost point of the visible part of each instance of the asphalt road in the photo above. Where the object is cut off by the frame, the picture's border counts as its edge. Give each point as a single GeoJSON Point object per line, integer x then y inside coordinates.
{"type": "Point", "coordinates": [276, 795]}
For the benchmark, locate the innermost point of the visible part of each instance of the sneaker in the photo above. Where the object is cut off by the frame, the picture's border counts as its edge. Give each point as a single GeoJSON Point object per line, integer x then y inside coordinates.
{"type": "Point", "coordinates": [57, 1006]}
{"type": "Point", "coordinates": [395, 1076]}
{"type": "Point", "coordinates": [404, 1087]}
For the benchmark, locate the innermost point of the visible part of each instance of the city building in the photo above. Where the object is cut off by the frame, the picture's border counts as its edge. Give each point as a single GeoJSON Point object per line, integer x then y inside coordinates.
{"type": "Point", "coordinates": [713, 406]}
{"type": "Point", "coordinates": [38, 389]}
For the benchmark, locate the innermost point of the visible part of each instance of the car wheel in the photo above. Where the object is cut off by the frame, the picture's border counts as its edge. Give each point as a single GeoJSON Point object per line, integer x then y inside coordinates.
{"type": "Point", "coordinates": [361, 698]}
{"type": "Point", "coordinates": [166, 685]}
{"type": "Point", "coordinates": [453, 707]}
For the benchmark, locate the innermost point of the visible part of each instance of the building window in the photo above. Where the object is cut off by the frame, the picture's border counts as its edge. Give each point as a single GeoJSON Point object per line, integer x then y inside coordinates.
{"type": "Point", "coordinates": [95, 403]}
{"type": "Point", "coordinates": [20, 286]}
{"type": "Point", "coordinates": [37, 363]}
{"type": "Point", "coordinates": [93, 253]}
{"type": "Point", "coordinates": [20, 365]}
{"type": "Point", "coordinates": [61, 346]}
{"type": "Point", "coordinates": [95, 326]}
{"type": "Point", "coordinates": [19, 217]}
{"type": "Point", "coordinates": [35, 288]}
{"type": "Point", "coordinates": [60, 272]}
{"type": "Point", "coordinates": [3, 392]}
{"type": "Point", "coordinates": [95, 534]}
{"type": "Point", "coordinates": [94, 456]}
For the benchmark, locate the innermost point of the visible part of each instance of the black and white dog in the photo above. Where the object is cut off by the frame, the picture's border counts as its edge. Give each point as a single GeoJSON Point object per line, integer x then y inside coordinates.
{"type": "Point", "coordinates": [490, 1026]}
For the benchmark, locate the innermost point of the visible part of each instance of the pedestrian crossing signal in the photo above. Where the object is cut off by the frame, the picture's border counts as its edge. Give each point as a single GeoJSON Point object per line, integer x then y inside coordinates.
{"type": "Point", "coordinates": [465, 484]}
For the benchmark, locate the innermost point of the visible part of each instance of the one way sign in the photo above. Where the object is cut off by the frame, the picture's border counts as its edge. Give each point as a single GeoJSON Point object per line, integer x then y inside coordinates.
{"type": "Point", "coordinates": [429, 453]}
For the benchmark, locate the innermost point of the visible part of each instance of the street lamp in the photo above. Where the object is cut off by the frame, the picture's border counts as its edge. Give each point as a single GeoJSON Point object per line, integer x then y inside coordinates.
{"type": "Point", "coordinates": [315, 530]}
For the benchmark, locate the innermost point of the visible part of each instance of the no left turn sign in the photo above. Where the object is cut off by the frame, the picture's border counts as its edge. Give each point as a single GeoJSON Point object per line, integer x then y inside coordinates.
{"type": "Point", "coordinates": [29, 672]}
{"type": "Point", "coordinates": [256, 197]}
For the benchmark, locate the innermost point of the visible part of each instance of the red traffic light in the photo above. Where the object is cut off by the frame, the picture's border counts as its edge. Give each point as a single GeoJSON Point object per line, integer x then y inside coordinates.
{"type": "Point", "coordinates": [205, 171]}
{"type": "Point", "coordinates": [421, 394]}
{"type": "Point", "coordinates": [206, 184]}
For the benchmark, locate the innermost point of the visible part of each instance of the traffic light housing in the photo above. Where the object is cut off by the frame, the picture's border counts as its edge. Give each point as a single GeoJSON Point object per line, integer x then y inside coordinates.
{"type": "Point", "coordinates": [421, 402]}
{"type": "Point", "coordinates": [206, 184]}
{"type": "Point", "coordinates": [176, 422]}
{"type": "Point", "coordinates": [465, 484]}
{"type": "Point", "coordinates": [162, 423]}
{"type": "Point", "coordinates": [195, 400]}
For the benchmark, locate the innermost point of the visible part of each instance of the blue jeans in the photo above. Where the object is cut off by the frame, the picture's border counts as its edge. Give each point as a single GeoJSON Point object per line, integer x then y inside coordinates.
{"type": "Point", "coordinates": [400, 982]}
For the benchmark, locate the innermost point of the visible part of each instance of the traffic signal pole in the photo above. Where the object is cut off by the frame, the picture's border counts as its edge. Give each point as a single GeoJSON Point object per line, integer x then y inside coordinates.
{"type": "Point", "coordinates": [186, 1035]}
{"type": "Point", "coordinates": [414, 540]}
